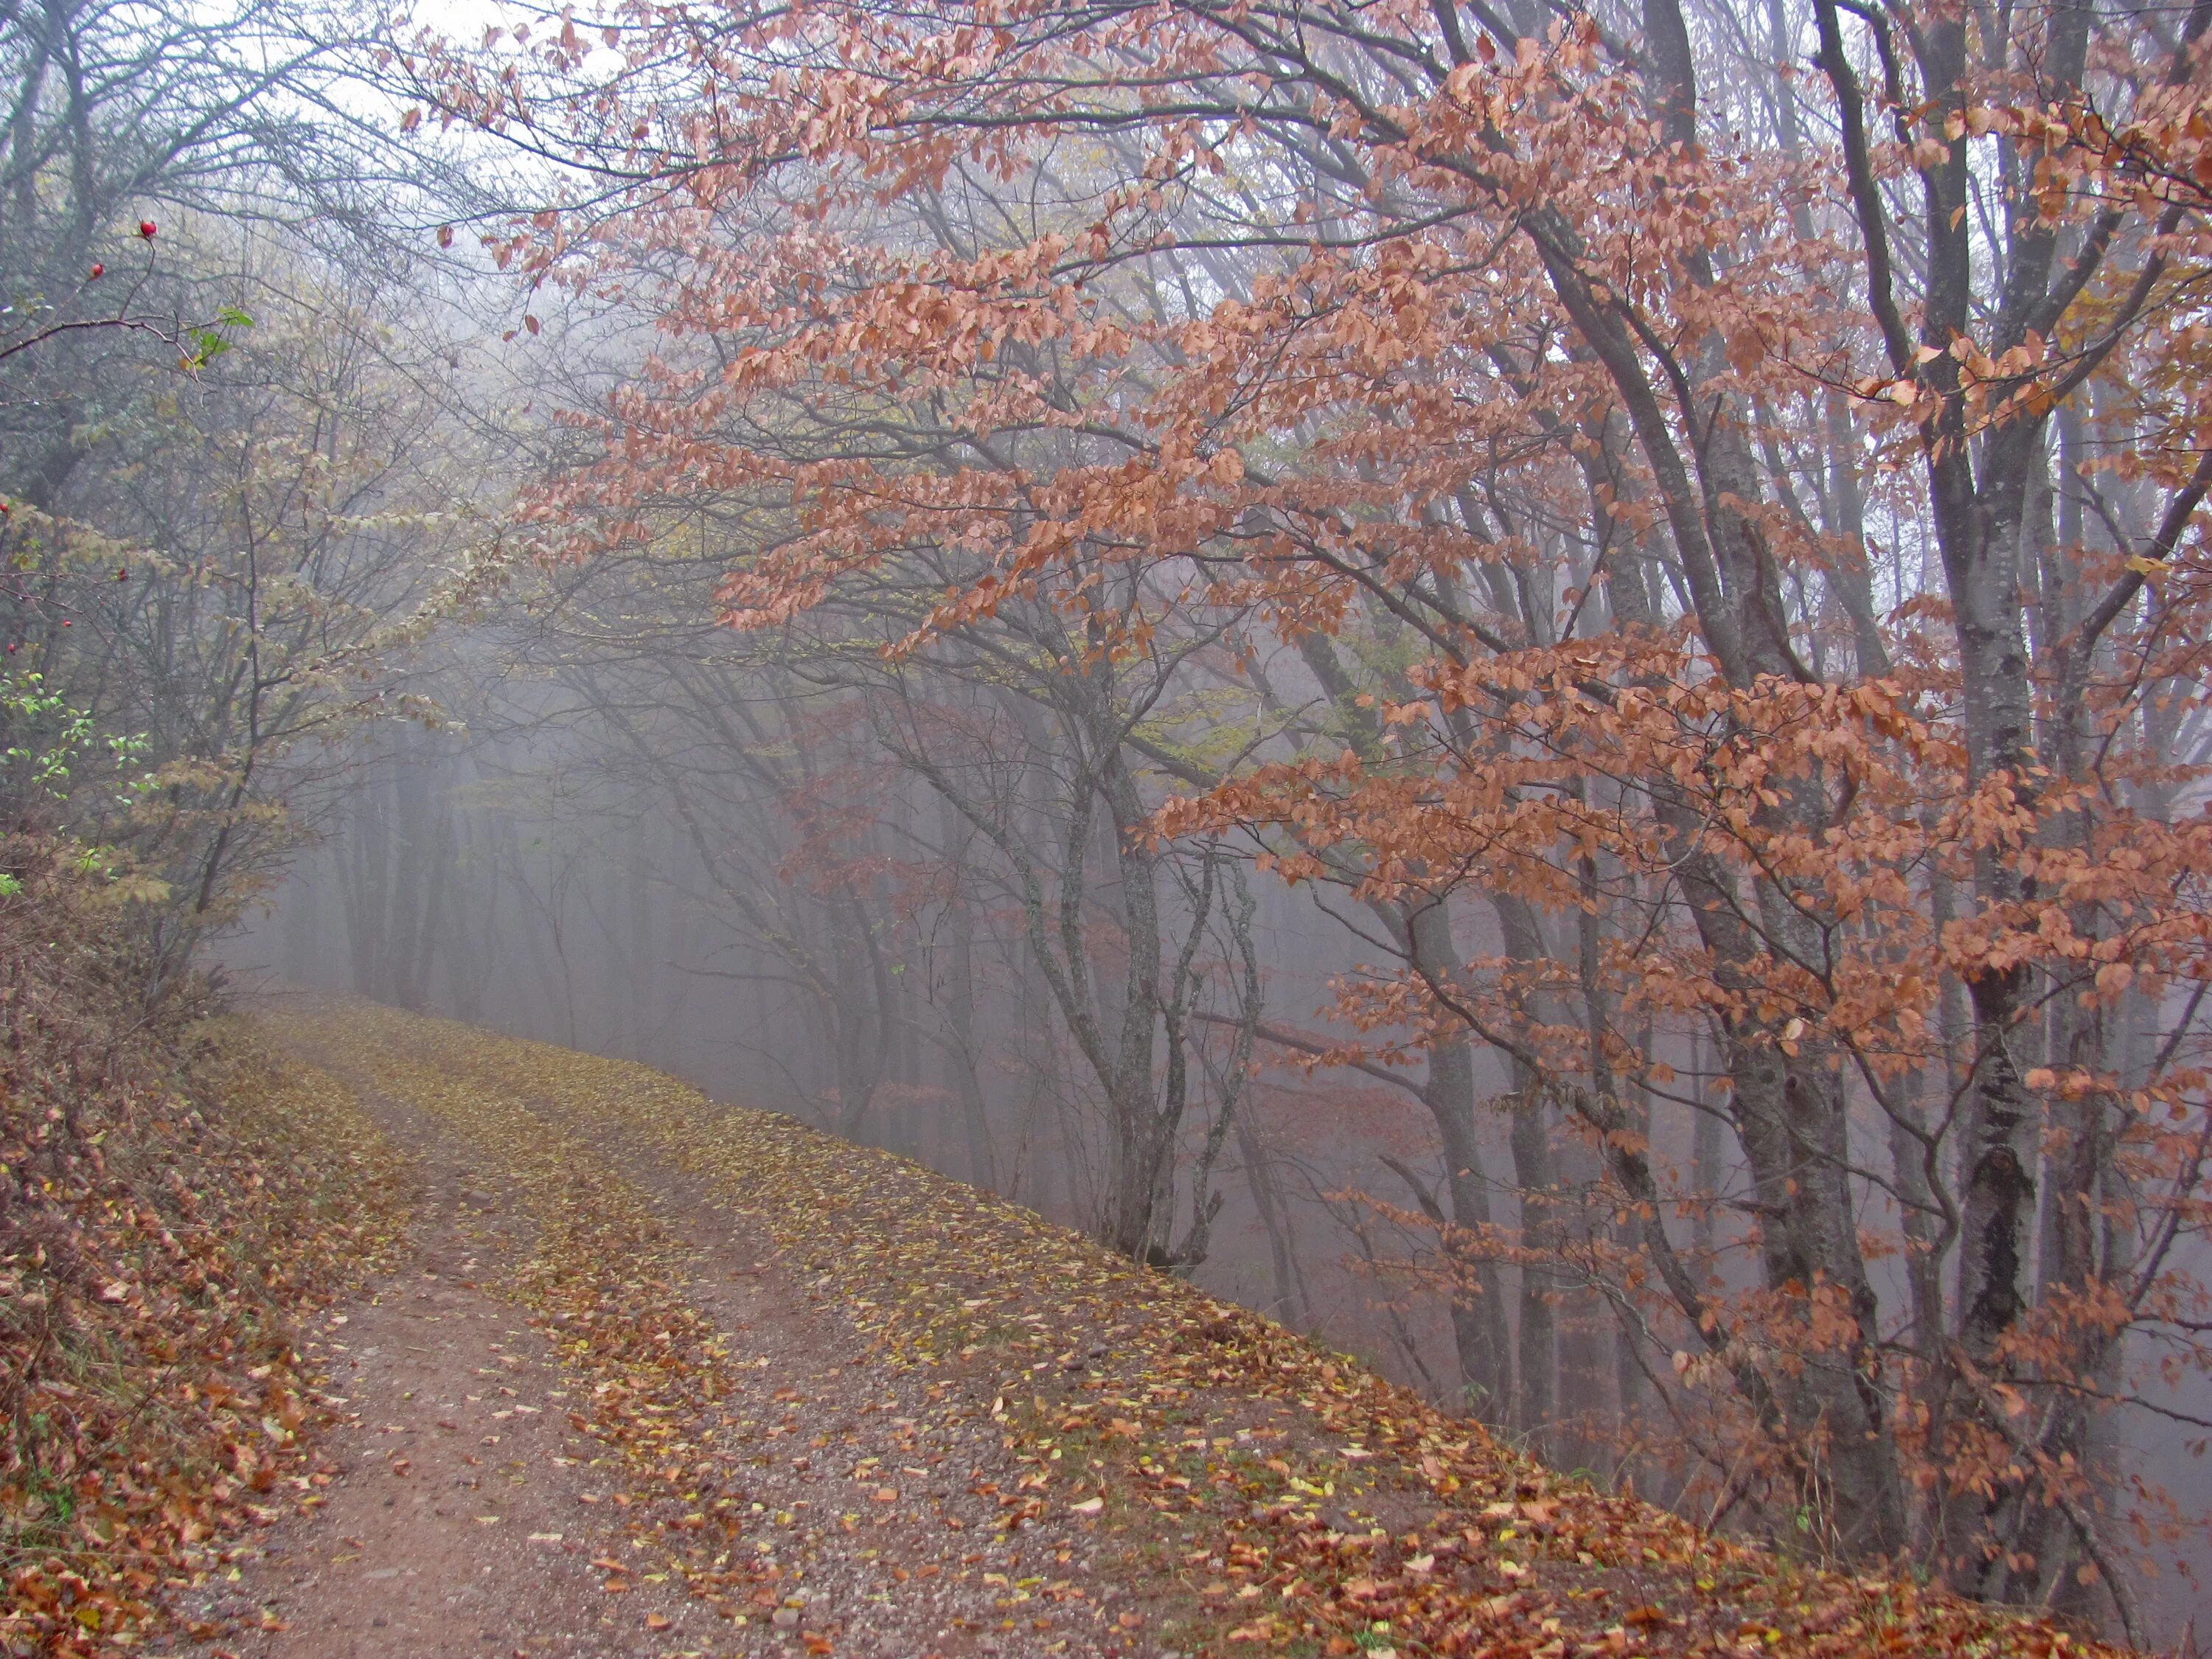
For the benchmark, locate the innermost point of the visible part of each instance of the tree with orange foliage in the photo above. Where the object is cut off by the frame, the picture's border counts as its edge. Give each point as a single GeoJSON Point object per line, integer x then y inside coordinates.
{"type": "Point", "coordinates": [1726, 485]}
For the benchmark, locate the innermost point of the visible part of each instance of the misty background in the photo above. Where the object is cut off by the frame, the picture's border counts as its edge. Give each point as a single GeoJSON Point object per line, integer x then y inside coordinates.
{"type": "Point", "coordinates": [286, 408]}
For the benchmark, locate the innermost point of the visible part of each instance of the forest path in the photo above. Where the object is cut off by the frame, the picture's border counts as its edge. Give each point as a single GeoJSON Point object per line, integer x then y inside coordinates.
{"type": "Point", "coordinates": [590, 1414]}
{"type": "Point", "coordinates": [666, 1378]}
{"type": "Point", "coordinates": [466, 1512]}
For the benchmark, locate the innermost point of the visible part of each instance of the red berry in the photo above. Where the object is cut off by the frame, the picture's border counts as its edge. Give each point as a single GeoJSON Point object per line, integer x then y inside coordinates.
{"type": "Point", "coordinates": [146, 228]}
{"type": "Point", "coordinates": [96, 270]}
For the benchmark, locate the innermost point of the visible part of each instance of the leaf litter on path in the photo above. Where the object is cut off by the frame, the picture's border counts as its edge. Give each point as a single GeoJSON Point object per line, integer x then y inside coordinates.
{"type": "Point", "coordinates": [852, 1407]}
{"type": "Point", "coordinates": [450, 1526]}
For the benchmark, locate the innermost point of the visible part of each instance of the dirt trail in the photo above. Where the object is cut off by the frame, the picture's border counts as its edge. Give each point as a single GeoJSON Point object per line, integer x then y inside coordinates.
{"type": "Point", "coordinates": [830, 1403]}
{"type": "Point", "coordinates": [470, 1514]}
{"type": "Point", "coordinates": [466, 1516]}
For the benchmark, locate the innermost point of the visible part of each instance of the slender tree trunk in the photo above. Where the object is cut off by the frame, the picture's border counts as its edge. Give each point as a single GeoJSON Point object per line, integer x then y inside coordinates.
{"type": "Point", "coordinates": [960, 1009]}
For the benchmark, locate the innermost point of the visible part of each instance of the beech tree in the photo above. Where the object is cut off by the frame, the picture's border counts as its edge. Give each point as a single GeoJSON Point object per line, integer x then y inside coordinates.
{"type": "Point", "coordinates": [873, 830]}
{"type": "Point", "coordinates": [1729, 483]}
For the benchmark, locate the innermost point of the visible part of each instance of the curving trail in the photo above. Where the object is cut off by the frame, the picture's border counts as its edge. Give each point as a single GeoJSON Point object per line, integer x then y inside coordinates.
{"type": "Point", "coordinates": [657, 1377]}
{"type": "Point", "coordinates": [468, 1513]}
{"type": "Point", "coordinates": [592, 1412]}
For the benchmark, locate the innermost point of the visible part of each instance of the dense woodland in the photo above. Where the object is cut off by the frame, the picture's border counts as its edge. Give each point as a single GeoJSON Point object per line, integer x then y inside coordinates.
{"type": "Point", "coordinates": [1523, 681]}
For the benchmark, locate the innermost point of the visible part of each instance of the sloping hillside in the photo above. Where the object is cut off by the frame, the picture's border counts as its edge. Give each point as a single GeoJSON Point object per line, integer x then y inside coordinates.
{"type": "Point", "coordinates": [173, 1197]}
{"type": "Point", "coordinates": [845, 1401]}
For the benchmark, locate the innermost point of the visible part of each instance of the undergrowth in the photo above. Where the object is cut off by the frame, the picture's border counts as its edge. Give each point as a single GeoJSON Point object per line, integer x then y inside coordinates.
{"type": "Point", "coordinates": [173, 1196]}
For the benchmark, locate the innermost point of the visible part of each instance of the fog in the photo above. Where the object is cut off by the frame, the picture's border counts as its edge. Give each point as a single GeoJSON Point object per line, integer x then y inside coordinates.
{"type": "Point", "coordinates": [696, 856]}
{"type": "Point", "coordinates": [1524, 684]}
